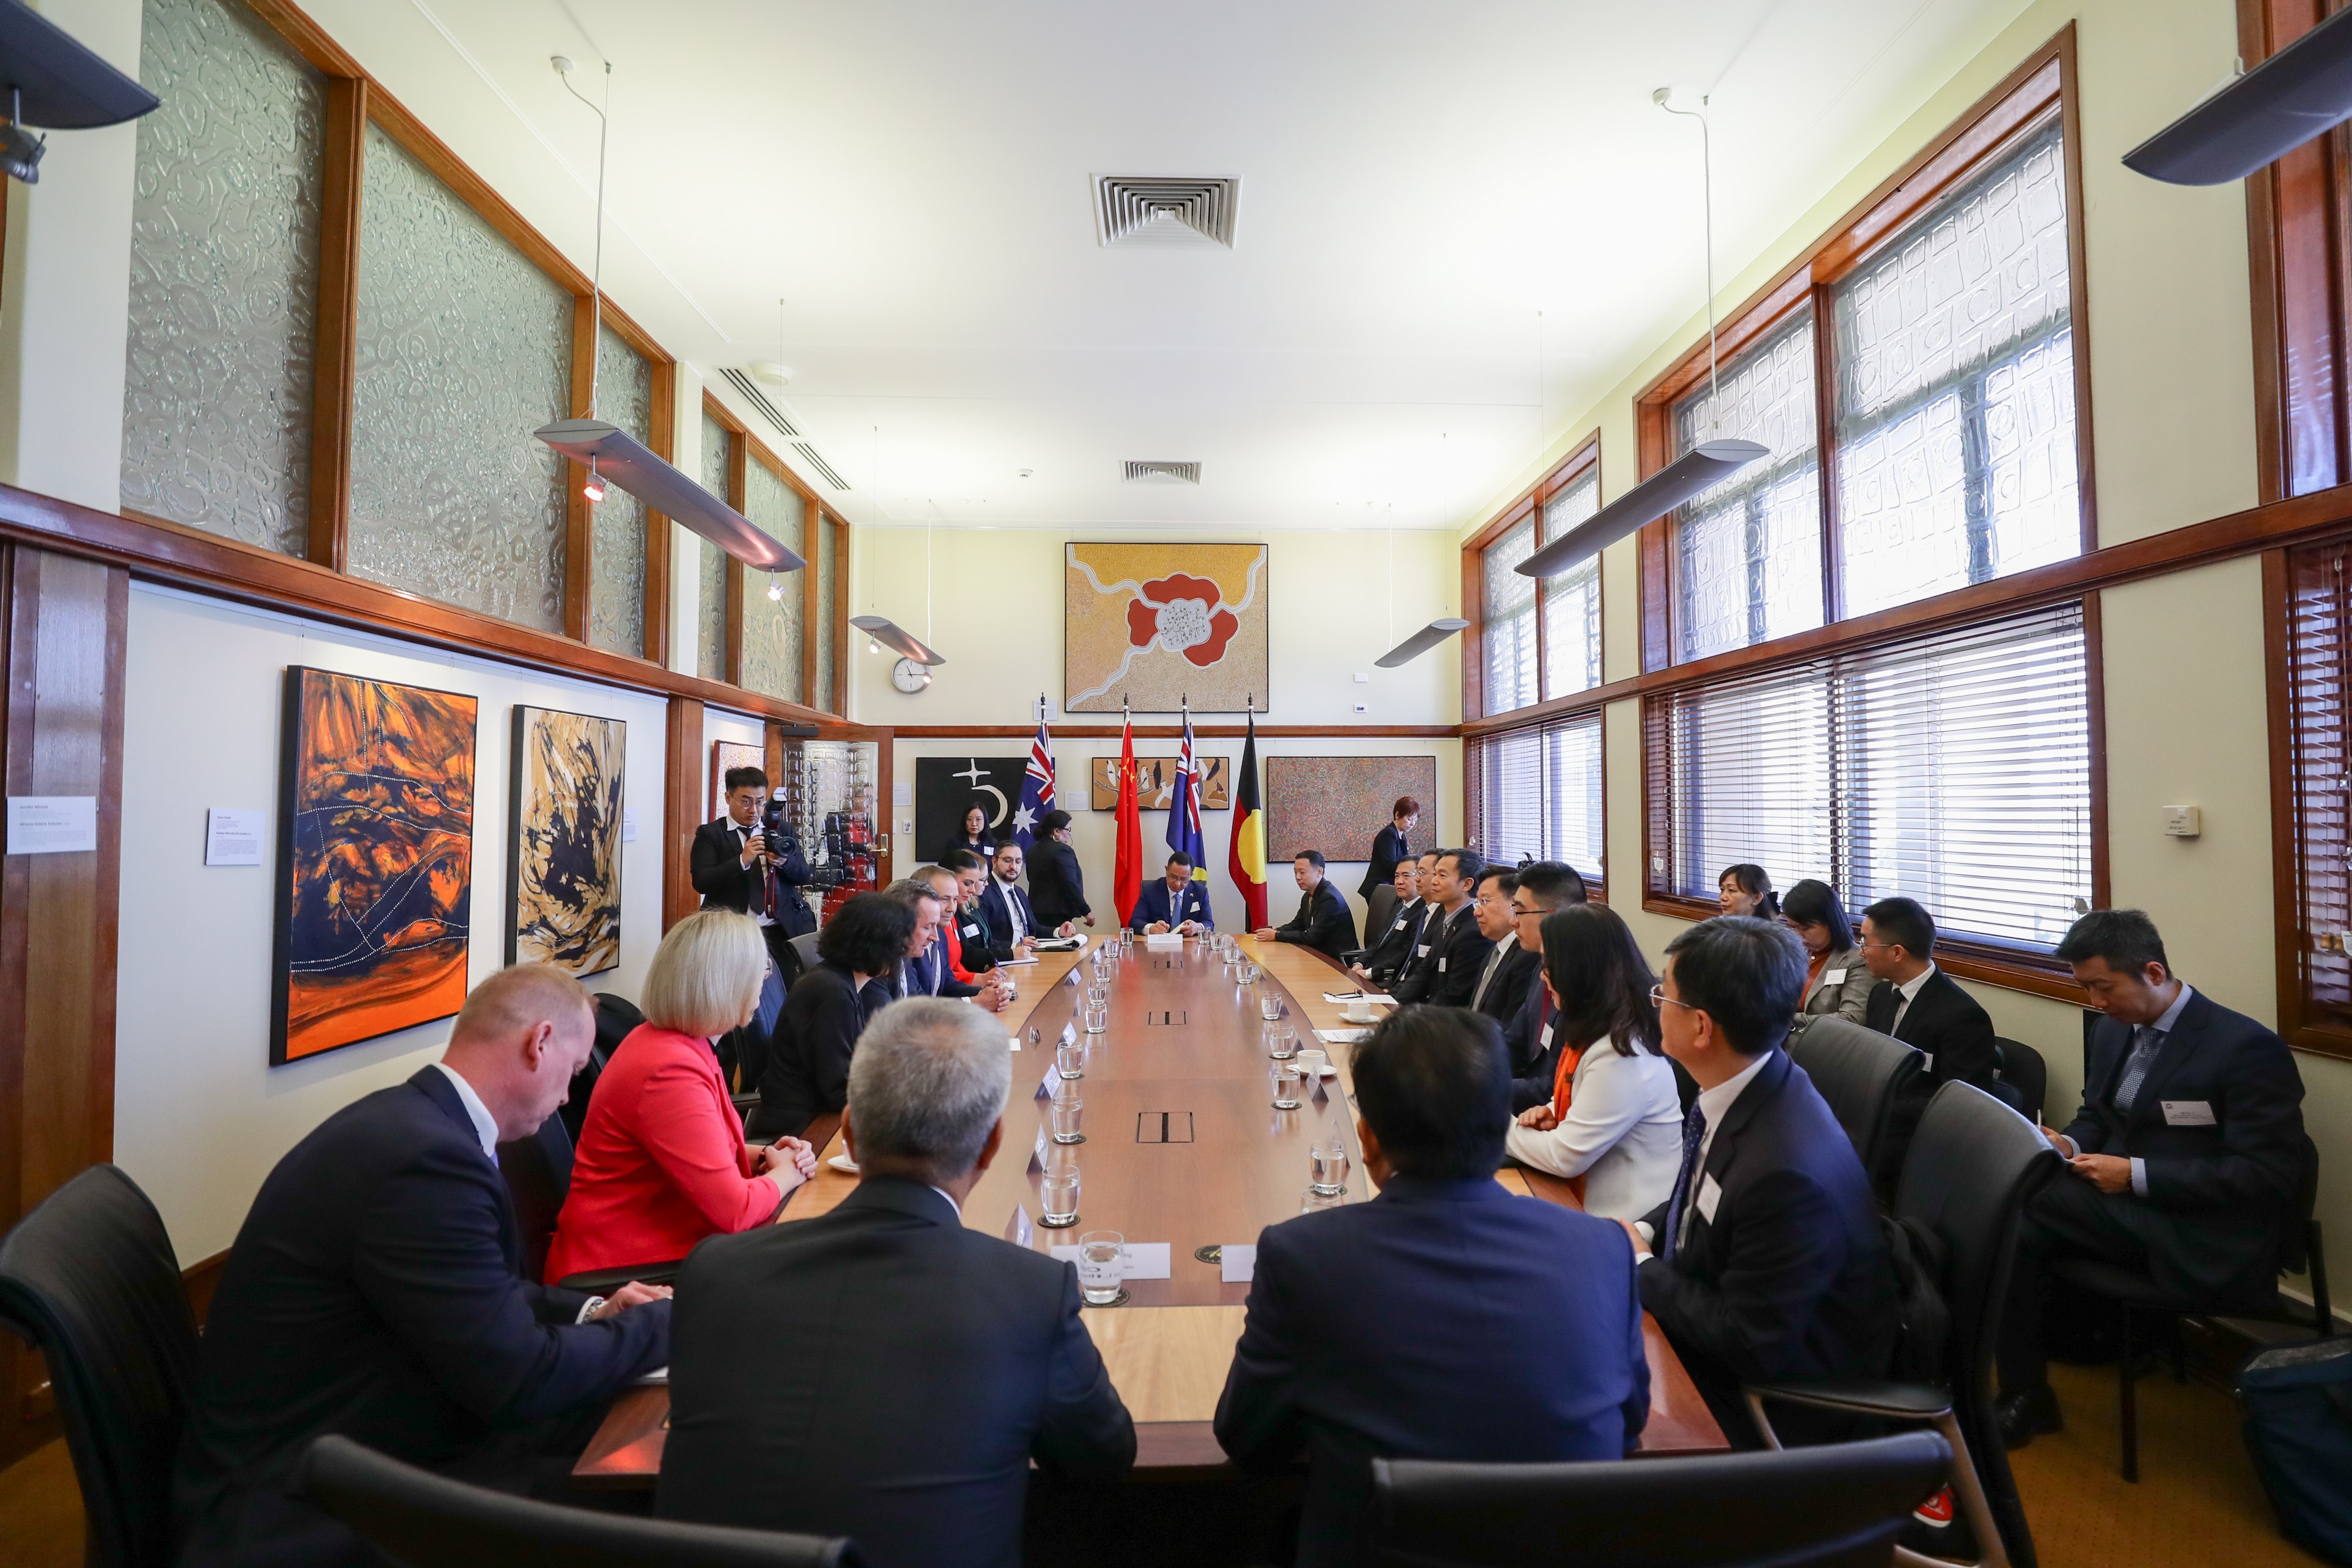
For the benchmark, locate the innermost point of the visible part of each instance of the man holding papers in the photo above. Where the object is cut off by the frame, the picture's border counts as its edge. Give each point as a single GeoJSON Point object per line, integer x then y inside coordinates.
{"type": "Point", "coordinates": [1177, 903]}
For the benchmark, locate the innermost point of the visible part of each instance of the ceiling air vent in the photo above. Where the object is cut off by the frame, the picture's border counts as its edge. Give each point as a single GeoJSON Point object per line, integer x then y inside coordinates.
{"type": "Point", "coordinates": [809, 457]}
{"type": "Point", "coordinates": [1142, 210]}
{"type": "Point", "coordinates": [1140, 473]}
{"type": "Point", "coordinates": [759, 400]}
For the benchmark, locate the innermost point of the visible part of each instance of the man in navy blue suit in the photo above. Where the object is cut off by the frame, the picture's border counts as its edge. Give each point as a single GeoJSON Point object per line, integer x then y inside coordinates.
{"type": "Point", "coordinates": [1174, 904]}
{"type": "Point", "coordinates": [373, 1292]}
{"type": "Point", "coordinates": [1444, 1319]}
{"type": "Point", "coordinates": [2183, 1162]}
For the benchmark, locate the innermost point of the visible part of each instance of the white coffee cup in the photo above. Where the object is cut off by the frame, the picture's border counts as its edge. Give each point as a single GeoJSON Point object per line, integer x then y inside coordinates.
{"type": "Point", "coordinates": [1357, 1010]}
{"type": "Point", "coordinates": [1312, 1065]}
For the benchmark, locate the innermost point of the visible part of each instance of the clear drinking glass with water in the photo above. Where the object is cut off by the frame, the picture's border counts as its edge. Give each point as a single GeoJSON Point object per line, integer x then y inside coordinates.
{"type": "Point", "coordinates": [1098, 1018]}
{"type": "Point", "coordinates": [1269, 1003]}
{"type": "Point", "coordinates": [1065, 1117]}
{"type": "Point", "coordinates": [1326, 1162]}
{"type": "Point", "coordinates": [1102, 1263]}
{"type": "Point", "coordinates": [1285, 1086]}
{"type": "Point", "coordinates": [1057, 1195]}
{"type": "Point", "coordinates": [1277, 1045]}
{"type": "Point", "coordinates": [1070, 1061]}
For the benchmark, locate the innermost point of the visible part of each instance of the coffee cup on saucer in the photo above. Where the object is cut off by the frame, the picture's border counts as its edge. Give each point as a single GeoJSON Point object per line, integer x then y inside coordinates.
{"type": "Point", "coordinates": [1313, 1064]}
{"type": "Point", "coordinates": [1357, 1010]}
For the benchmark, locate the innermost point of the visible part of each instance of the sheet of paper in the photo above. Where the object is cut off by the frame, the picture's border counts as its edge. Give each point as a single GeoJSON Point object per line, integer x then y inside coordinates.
{"type": "Point", "coordinates": [657, 1378]}
{"type": "Point", "coordinates": [628, 824]}
{"type": "Point", "coordinates": [1016, 1040]}
{"type": "Point", "coordinates": [1239, 1262]}
{"type": "Point", "coordinates": [52, 824]}
{"type": "Point", "coordinates": [1375, 998]}
{"type": "Point", "coordinates": [1015, 963]}
{"type": "Point", "coordinates": [1145, 1260]}
{"type": "Point", "coordinates": [1166, 942]}
{"type": "Point", "coordinates": [234, 835]}
{"type": "Point", "coordinates": [1342, 1036]}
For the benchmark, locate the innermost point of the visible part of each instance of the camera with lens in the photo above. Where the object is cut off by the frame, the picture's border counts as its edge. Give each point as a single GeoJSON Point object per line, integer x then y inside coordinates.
{"type": "Point", "coordinates": [774, 823]}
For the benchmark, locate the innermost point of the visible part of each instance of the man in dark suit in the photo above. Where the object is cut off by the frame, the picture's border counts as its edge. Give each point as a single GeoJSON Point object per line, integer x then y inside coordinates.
{"type": "Point", "coordinates": [373, 1292]}
{"type": "Point", "coordinates": [923, 972]}
{"type": "Point", "coordinates": [1428, 1323]}
{"type": "Point", "coordinates": [1057, 888]}
{"type": "Point", "coordinates": [881, 1372]}
{"type": "Point", "coordinates": [1543, 888]}
{"type": "Point", "coordinates": [2184, 1160]}
{"type": "Point", "coordinates": [934, 973]}
{"type": "Point", "coordinates": [1391, 945]}
{"type": "Point", "coordinates": [1323, 922]}
{"type": "Point", "coordinates": [1445, 965]}
{"type": "Point", "coordinates": [1767, 1261]}
{"type": "Point", "coordinates": [1174, 903]}
{"type": "Point", "coordinates": [1920, 1005]}
{"type": "Point", "coordinates": [1509, 969]}
{"type": "Point", "coordinates": [735, 867]}
{"type": "Point", "coordinates": [1005, 913]}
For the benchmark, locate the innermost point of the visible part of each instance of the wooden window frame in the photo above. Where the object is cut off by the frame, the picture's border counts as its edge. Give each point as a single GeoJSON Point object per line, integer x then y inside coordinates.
{"type": "Point", "coordinates": [2027, 100]}
{"type": "Point", "coordinates": [2299, 1024]}
{"type": "Point", "coordinates": [1529, 503]}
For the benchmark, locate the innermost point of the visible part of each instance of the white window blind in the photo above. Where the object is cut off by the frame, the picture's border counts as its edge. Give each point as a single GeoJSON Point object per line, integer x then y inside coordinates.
{"type": "Point", "coordinates": [1571, 602]}
{"type": "Point", "coordinates": [1953, 769]}
{"type": "Point", "coordinates": [1507, 635]}
{"type": "Point", "coordinates": [1538, 794]}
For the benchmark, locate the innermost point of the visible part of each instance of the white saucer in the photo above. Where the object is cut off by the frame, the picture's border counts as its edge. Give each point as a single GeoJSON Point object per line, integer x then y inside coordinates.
{"type": "Point", "coordinates": [843, 1163]}
{"type": "Point", "coordinates": [1330, 1071]}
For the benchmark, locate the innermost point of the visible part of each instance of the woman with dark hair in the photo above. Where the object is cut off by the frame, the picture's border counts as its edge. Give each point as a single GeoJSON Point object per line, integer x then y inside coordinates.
{"type": "Point", "coordinates": [826, 1009]}
{"type": "Point", "coordinates": [1744, 889]}
{"type": "Point", "coordinates": [1615, 1121]}
{"type": "Point", "coordinates": [972, 835]}
{"type": "Point", "coordinates": [1389, 845]}
{"type": "Point", "coordinates": [1835, 980]}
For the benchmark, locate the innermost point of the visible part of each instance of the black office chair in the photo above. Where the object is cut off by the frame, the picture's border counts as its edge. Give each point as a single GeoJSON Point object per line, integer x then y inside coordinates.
{"type": "Point", "coordinates": [420, 1516]}
{"type": "Point", "coordinates": [1861, 1072]}
{"type": "Point", "coordinates": [616, 1016]}
{"type": "Point", "coordinates": [1973, 1163]}
{"type": "Point", "coordinates": [2021, 1067]}
{"type": "Point", "coordinates": [804, 945]}
{"type": "Point", "coordinates": [2131, 1291]}
{"type": "Point", "coordinates": [1837, 1506]}
{"type": "Point", "coordinates": [89, 1278]}
{"type": "Point", "coordinates": [538, 1172]}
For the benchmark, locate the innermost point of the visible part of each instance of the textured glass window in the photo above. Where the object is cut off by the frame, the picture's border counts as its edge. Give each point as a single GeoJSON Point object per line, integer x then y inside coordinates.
{"type": "Point", "coordinates": [1750, 548]}
{"type": "Point", "coordinates": [1571, 602]}
{"type": "Point", "coordinates": [464, 351]}
{"type": "Point", "coordinates": [1508, 636]}
{"type": "Point", "coordinates": [710, 597]}
{"type": "Point", "coordinates": [224, 276]}
{"type": "Point", "coordinates": [772, 627]}
{"type": "Point", "coordinates": [826, 555]}
{"type": "Point", "coordinates": [1955, 456]}
{"type": "Point", "coordinates": [616, 599]}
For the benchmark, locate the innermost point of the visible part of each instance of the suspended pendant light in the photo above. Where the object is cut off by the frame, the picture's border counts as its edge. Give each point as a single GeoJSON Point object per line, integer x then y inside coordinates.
{"type": "Point", "coordinates": [615, 456]}
{"type": "Point", "coordinates": [2259, 116]}
{"type": "Point", "coordinates": [1420, 642]}
{"type": "Point", "coordinates": [50, 79]}
{"type": "Point", "coordinates": [897, 639]}
{"type": "Point", "coordinates": [1704, 466]}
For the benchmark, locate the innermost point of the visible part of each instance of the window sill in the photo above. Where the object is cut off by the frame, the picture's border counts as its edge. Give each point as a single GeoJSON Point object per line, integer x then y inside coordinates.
{"type": "Point", "coordinates": [1987, 965]}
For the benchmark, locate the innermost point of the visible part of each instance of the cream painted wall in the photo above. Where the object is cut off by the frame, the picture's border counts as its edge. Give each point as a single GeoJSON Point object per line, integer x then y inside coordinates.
{"type": "Point", "coordinates": [200, 1115]}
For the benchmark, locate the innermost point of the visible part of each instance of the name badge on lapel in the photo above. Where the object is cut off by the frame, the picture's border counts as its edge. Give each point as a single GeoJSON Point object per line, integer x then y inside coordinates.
{"type": "Point", "coordinates": [1547, 1037]}
{"type": "Point", "coordinates": [1832, 977]}
{"type": "Point", "coordinates": [1710, 1193]}
{"type": "Point", "coordinates": [1422, 951]}
{"type": "Point", "coordinates": [1441, 965]}
{"type": "Point", "coordinates": [2188, 1114]}
{"type": "Point", "coordinates": [972, 930]}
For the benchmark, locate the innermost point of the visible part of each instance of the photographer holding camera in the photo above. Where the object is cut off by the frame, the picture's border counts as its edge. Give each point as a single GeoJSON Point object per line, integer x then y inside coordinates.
{"type": "Point", "coordinates": [750, 861]}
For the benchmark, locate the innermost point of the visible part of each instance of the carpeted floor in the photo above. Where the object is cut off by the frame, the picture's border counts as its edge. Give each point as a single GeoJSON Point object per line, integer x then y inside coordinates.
{"type": "Point", "coordinates": [2198, 1505]}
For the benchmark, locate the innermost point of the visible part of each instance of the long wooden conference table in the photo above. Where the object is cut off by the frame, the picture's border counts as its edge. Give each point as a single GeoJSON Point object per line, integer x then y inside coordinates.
{"type": "Point", "coordinates": [1182, 1146]}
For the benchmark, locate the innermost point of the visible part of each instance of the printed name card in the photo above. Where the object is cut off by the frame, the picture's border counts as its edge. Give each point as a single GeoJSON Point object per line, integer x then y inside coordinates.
{"type": "Point", "coordinates": [1237, 1262]}
{"type": "Point", "coordinates": [234, 836]}
{"type": "Point", "coordinates": [52, 824]}
{"type": "Point", "coordinates": [1145, 1260]}
{"type": "Point", "coordinates": [1018, 1231]}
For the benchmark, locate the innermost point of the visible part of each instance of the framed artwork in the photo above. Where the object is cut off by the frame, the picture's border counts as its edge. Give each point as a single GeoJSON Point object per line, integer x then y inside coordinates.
{"type": "Point", "coordinates": [375, 860]}
{"type": "Point", "coordinates": [1337, 804]}
{"type": "Point", "coordinates": [563, 839]}
{"type": "Point", "coordinates": [726, 754]}
{"type": "Point", "coordinates": [947, 787]}
{"type": "Point", "coordinates": [1154, 624]}
{"type": "Point", "coordinates": [1155, 776]}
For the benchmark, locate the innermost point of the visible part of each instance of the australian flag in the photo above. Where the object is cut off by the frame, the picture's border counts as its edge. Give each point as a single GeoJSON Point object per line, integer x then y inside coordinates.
{"type": "Point", "coordinates": [1036, 785]}
{"type": "Point", "coordinates": [1184, 804]}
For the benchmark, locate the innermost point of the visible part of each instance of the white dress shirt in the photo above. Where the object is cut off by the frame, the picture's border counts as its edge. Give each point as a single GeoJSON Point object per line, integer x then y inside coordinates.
{"type": "Point", "coordinates": [1004, 890]}
{"type": "Point", "coordinates": [743, 836]}
{"type": "Point", "coordinates": [1622, 1133]}
{"type": "Point", "coordinates": [1715, 1104]}
{"type": "Point", "coordinates": [486, 1126]}
{"type": "Point", "coordinates": [1909, 991]}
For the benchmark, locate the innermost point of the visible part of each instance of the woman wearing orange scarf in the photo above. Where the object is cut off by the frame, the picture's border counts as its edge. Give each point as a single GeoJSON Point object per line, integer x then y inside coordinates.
{"type": "Point", "coordinates": [1614, 1118]}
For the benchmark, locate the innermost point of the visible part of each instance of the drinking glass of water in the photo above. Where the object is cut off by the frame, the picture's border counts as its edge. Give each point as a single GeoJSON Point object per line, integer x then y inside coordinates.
{"type": "Point", "coordinates": [1276, 1046]}
{"type": "Point", "coordinates": [1285, 1086]}
{"type": "Point", "coordinates": [1065, 1116]}
{"type": "Point", "coordinates": [1310, 1201]}
{"type": "Point", "coordinates": [1058, 1196]}
{"type": "Point", "coordinates": [1098, 1018]}
{"type": "Point", "coordinates": [1269, 1003]}
{"type": "Point", "coordinates": [1102, 1263]}
{"type": "Point", "coordinates": [1070, 1061]}
{"type": "Point", "coordinates": [1328, 1164]}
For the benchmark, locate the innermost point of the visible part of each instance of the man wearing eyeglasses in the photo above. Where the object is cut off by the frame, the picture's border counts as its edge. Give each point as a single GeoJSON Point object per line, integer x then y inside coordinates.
{"type": "Point", "coordinates": [1543, 888]}
{"type": "Point", "coordinates": [1766, 1264]}
{"type": "Point", "coordinates": [1510, 966]}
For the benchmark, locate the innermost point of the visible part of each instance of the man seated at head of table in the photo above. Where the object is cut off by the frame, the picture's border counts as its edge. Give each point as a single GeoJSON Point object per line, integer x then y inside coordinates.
{"type": "Point", "coordinates": [827, 1008]}
{"type": "Point", "coordinates": [1391, 945]}
{"type": "Point", "coordinates": [881, 1372]}
{"type": "Point", "coordinates": [1175, 903]}
{"type": "Point", "coordinates": [1446, 961]}
{"type": "Point", "coordinates": [1445, 1318]}
{"type": "Point", "coordinates": [374, 1291]}
{"type": "Point", "coordinates": [1613, 1123]}
{"type": "Point", "coordinates": [1323, 921]}
{"type": "Point", "coordinates": [1766, 1262]}
{"type": "Point", "coordinates": [662, 1161]}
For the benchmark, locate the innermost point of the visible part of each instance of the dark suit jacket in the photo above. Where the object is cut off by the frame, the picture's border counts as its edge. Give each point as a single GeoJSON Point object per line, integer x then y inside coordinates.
{"type": "Point", "coordinates": [1443, 1320]}
{"type": "Point", "coordinates": [1057, 888]}
{"type": "Point", "coordinates": [984, 846]}
{"type": "Point", "coordinates": [1791, 1278]}
{"type": "Point", "coordinates": [374, 1290]}
{"type": "Point", "coordinates": [1389, 847]}
{"type": "Point", "coordinates": [1946, 1023]}
{"type": "Point", "coordinates": [2218, 1194]}
{"type": "Point", "coordinates": [1535, 1053]}
{"type": "Point", "coordinates": [1507, 993]}
{"type": "Point", "coordinates": [928, 974]}
{"type": "Point", "coordinates": [1447, 974]}
{"type": "Point", "coordinates": [1322, 923]}
{"type": "Point", "coordinates": [1392, 946]}
{"type": "Point", "coordinates": [883, 1372]}
{"type": "Point", "coordinates": [808, 1060]}
{"type": "Point", "coordinates": [1154, 904]}
{"type": "Point", "coordinates": [1003, 943]}
{"type": "Point", "coordinates": [717, 864]}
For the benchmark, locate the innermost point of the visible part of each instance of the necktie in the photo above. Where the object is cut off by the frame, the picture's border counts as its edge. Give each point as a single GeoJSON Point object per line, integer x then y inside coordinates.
{"type": "Point", "coordinates": [1494, 962]}
{"type": "Point", "coordinates": [2145, 1042]}
{"type": "Point", "coordinates": [1694, 1135]}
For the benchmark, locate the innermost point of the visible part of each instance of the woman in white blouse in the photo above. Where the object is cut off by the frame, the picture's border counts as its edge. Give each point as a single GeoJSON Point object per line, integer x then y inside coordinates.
{"type": "Point", "coordinates": [1614, 1119]}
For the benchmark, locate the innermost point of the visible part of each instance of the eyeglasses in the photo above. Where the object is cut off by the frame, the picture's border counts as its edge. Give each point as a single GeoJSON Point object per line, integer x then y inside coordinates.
{"type": "Point", "coordinates": [1659, 999]}
{"type": "Point", "coordinates": [1519, 912]}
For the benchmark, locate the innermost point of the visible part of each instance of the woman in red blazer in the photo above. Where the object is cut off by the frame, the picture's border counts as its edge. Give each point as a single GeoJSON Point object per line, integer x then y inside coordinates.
{"type": "Point", "coordinates": [662, 1162]}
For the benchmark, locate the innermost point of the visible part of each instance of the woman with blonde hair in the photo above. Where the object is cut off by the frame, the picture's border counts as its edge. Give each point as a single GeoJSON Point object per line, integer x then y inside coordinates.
{"type": "Point", "coordinates": [662, 1162]}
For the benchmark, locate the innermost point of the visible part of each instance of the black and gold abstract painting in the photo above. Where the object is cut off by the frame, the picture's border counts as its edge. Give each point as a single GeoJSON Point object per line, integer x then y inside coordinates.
{"type": "Point", "coordinates": [563, 882]}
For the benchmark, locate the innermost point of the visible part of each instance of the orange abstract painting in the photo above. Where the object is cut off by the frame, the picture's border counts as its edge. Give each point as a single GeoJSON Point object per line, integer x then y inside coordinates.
{"type": "Point", "coordinates": [375, 866]}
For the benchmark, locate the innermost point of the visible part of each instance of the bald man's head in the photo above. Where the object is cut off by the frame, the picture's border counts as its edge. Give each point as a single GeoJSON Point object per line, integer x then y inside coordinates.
{"type": "Point", "coordinates": [521, 1035]}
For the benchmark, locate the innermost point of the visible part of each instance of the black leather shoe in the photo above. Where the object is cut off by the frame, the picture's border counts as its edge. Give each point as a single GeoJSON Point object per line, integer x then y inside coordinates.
{"type": "Point", "coordinates": [2021, 1417]}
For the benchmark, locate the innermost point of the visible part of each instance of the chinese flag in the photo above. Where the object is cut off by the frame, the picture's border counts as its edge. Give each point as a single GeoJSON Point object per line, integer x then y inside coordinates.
{"type": "Point", "coordinates": [1246, 859]}
{"type": "Point", "coordinates": [1126, 865]}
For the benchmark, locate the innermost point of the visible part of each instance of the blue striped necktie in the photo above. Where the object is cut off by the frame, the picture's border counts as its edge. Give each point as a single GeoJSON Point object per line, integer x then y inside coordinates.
{"type": "Point", "coordinates": [1694, 1137]}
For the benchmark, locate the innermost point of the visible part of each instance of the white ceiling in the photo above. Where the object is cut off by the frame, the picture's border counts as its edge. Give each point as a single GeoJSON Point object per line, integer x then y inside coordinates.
{"type": "Point", "coordinates": [1418, 182]}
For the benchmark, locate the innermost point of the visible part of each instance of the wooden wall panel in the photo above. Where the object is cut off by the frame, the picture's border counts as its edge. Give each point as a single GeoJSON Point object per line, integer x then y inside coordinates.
{"type": "Point", "coordinates": [681, 794]}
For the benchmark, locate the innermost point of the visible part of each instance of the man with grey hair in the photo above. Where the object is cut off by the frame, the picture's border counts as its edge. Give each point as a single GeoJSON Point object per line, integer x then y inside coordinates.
{"type": "Point", "coordinates": [881, 1372]}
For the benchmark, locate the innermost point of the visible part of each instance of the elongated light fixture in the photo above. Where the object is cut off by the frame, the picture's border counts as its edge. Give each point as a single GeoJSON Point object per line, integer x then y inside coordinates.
{"type": "Point", "coordinates": [1420, 642]}
{"type": "Point", "coordinates": [51, 80]}
{"type": "Point", "coordinates": [2258, 117]}
{"type": "Point", "coordinates": [896, 638]}
{"type": "Point", "coordinates": [622, 459]}
{"type": "Point", "coordinates": [1709, 463]}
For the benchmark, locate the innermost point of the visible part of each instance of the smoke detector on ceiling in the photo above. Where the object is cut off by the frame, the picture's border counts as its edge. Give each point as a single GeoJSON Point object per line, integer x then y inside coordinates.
{"type": "Point", "coordinates": [1142, 472]}
{"type": "Point", "coordinates": [1165, 211]}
